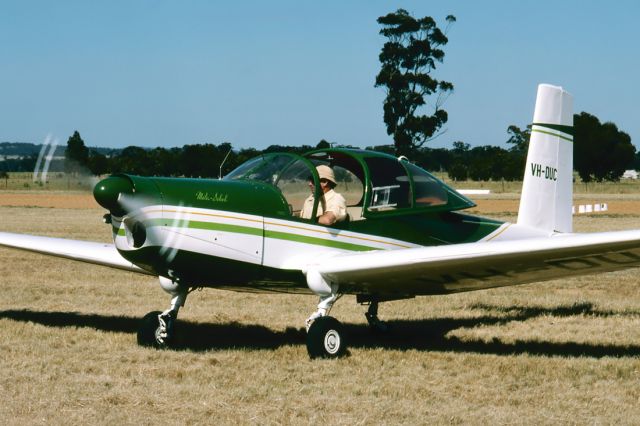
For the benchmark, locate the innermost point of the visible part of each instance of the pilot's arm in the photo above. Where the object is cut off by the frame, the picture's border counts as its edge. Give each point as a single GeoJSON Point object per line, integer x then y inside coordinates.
{"type": "Point", "coordinates": [335, 211]}
{"type": "Point", "coordinates": [328, 218]}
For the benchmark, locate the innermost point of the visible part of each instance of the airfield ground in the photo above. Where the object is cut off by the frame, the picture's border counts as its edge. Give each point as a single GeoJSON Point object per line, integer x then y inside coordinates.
{"type": "Point", "coordinates": [560, 352]}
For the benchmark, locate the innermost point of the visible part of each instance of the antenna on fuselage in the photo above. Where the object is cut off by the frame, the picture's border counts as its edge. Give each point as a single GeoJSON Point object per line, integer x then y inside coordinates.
{"type": "Point", "coordinates": [222, 164]}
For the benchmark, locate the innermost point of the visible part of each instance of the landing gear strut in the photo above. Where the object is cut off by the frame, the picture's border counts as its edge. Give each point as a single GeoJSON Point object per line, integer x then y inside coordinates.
{"type": "Point", "coordinates": [372, 318]}
{"type": "Point", "coordinates": [158, 328]}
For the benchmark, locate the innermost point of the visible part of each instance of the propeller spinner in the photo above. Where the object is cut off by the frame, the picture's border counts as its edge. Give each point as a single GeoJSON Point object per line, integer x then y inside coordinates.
{"type": "Point", "coordinates": [109, 191]}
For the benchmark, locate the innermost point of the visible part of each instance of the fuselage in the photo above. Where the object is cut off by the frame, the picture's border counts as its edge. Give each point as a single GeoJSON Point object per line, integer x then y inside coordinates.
{"type": "Point", "coordinates": [246, 233]}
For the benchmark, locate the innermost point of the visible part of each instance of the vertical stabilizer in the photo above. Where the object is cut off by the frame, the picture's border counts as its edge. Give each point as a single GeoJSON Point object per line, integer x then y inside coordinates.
{"type": "Point", "coordinates": [547, 189]}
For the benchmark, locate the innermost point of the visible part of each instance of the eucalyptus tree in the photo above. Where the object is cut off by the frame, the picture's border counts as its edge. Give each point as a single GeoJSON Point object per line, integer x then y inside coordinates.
{"type": "Point", "coordinates": [408, 57]}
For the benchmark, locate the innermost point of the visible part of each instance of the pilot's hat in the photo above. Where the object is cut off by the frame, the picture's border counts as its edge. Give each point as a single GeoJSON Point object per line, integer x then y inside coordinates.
{"type": "Point", "coordinates": [325, 172]}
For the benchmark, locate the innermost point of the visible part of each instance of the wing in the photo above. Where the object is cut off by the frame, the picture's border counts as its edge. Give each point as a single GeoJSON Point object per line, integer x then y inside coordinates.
{"type": "Point", "coordinates": [475, 266]}
{"type": "Point", "coordinates": [84, 251]}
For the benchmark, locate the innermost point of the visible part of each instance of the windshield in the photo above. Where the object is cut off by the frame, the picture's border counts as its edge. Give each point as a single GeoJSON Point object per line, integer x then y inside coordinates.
{"type": "Point", "coordinates": [290, 174]}
{"type": "Point", "coordinates": [296, 183]}
{"type": "Point", "coordinates": [265, 168]}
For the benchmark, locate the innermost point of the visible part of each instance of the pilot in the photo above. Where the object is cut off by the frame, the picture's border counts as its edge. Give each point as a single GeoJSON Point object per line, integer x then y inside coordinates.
{"type": "Point", "coordinates": [332, 207]}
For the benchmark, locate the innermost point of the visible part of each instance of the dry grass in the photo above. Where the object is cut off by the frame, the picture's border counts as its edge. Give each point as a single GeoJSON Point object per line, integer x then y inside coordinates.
{"type": "Point", "coordinates": [58, 181]}
{"type": "Point", "coordinates": [558, 352]}
{"type": "Point", "coordinates": [53, 199]}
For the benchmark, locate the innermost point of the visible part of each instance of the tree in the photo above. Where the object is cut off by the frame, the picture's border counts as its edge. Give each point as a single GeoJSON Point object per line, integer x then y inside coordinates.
{"type": "Point", "coordinates": [636, 161]}
{"type": "Point", "coordinates": [601, 151]}
{"type": "Point", "coordinates": [515, 159]}
{"type": "Point", "coordinates": [204, 160]}
{"type": "Point", "coordinates": [459, 169]}
{"type": "Point", "coordinates": [513, 165]}
{"type": "Point", "coordinates": [407, 59]}
{"type": "Point", "coordinates": [433, 159]}
{"type": "Point", "coordinates": [26, 164]}
{"type": "Point", "coordinates": [285, 148]}
{"type": "Point", "coordinates": [486, 163]}
{"type": "Point", "coordinates": [244, 155]}
{"type": "Point", "coordinates": [519, 139]}
{"type": "Point", "coordinates": [98, 163]}
{"type": "Point", "coordinates": [387, 149]}
{"type": "Point", "coordinates": [323, 144]}
{"type": "Point", "coordinates": [4, 175]}
{"type": "Point", "coordinates": [76, 155]}
{"type": "Point", "coordinates": [165, 162]}
{"type": "Point", "coordinates": [134, 160]}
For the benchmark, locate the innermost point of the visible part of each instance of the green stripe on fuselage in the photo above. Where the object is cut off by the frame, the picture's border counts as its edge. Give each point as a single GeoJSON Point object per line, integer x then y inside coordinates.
{"type": "Point", "coordinates": [237, 229]}
{"type": "Point", "coordinates": [209, 226]}
{"type": "Point", "coordinates": [316, 241]}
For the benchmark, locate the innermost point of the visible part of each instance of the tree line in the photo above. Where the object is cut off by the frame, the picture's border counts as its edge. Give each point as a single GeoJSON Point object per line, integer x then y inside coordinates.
{"type": "Point", "coordinates": [601, 152]}
{"type": "Point", "coordinates": [197, 160]}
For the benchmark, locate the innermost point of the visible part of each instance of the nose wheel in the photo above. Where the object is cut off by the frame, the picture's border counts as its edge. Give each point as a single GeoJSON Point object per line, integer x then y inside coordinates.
{"type": "Point", "coordinates": [157, 329]}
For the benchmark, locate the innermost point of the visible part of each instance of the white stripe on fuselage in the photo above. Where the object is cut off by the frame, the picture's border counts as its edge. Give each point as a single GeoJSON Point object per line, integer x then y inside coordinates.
{"type": "Point", "coordinates": [238, 236]}
{"type": "Point", "coordinates": [287, 244]}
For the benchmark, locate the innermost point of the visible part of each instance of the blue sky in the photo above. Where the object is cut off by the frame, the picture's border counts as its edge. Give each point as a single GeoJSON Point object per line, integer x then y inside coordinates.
{"type": "Point", "coordinates": [257, 73]}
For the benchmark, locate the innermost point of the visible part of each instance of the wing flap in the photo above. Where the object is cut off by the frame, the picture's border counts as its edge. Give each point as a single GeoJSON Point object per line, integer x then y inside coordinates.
{"type": "Point", "coordinates": [475, 266]}
{"type": "Point", "coordinates": [84, 251]}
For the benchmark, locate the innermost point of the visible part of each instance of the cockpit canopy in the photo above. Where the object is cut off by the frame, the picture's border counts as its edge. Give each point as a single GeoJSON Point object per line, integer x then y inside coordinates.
{"type": "Point", "coordinates": [372, 183]}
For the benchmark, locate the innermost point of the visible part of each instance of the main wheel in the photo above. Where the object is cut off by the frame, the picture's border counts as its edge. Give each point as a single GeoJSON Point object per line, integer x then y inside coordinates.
{"type": "Point", "coordinates": [326, 339]}
{"type": "Point", "coordinates": [148, 333]}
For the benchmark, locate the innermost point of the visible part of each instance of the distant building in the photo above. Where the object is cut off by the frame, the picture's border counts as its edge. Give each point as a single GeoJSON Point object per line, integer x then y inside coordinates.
{"type": "Point", "coordinates": [630, 174]}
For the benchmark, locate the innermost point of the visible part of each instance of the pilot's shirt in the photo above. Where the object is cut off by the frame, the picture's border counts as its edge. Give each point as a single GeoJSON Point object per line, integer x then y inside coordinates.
{"type": "Point", "coordinates": [331, 202]}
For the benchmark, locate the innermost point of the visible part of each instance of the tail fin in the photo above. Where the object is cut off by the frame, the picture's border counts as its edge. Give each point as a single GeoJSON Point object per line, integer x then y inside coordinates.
{"type": "Point", "coordinates": [547, 189]}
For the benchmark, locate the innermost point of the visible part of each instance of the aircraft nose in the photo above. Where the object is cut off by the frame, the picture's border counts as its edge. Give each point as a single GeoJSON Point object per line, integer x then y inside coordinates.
{"type": "Point", "coordinates": [108, 190]}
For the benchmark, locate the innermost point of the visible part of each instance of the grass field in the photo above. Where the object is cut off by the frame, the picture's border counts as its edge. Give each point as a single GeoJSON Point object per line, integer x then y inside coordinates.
{"type": "Point", "coordinates": [560, 352]}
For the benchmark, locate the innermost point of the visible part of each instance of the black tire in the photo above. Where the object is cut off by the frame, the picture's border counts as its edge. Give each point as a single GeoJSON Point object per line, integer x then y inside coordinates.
{"type": "Point", "coordinates": [326, 339]}
{"type": "Point", "coordinates": [147, 332]}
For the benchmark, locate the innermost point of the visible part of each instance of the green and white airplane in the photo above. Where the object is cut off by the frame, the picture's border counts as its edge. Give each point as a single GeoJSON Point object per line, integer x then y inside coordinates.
{"type": "Point", "coordinates": [404, 236]}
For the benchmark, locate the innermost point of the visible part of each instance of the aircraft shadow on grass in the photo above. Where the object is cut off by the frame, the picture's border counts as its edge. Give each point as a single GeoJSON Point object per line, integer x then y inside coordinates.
{"type": "Point", "coordinates": [423, 335]}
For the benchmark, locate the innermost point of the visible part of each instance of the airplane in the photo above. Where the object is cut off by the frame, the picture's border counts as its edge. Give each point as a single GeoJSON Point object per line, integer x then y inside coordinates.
{"type": "Point", "coordinates": [405, 233]}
